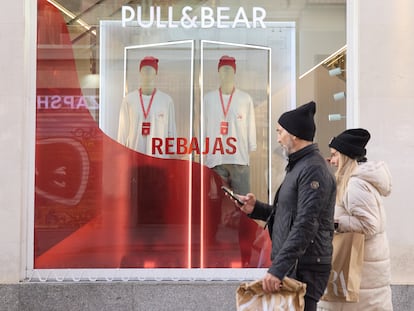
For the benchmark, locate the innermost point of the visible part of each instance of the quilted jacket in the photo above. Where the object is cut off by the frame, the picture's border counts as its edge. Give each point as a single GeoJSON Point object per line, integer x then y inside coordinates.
{"type": "Point", "coordinates": [302, 226]}
{"type": "Point", "coordinates": [362, 210]}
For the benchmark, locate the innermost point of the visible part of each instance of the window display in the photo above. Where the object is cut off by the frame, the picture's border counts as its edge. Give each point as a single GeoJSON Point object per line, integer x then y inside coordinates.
{"type": "Point", "coordinates": [146, 113]}
{"type": "Point", "coordinates": [229, 114]}
{"type": "Point", "coordinates": [229, 122]}
{"type": "Point", "coordinates": [133, 179]}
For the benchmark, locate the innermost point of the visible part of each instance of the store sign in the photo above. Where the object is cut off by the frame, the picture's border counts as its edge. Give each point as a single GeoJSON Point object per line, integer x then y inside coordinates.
{"type": "Point", "coordinates": [181, 145]}
{"type": "Point", "coordinates": [219, 17]}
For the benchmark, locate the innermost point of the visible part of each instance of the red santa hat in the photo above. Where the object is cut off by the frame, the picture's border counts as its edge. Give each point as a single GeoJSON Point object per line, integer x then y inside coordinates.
{"type": "Point", "coordinates": [149, 61]}
{"type": "Point", "coordinates": [226, 60]}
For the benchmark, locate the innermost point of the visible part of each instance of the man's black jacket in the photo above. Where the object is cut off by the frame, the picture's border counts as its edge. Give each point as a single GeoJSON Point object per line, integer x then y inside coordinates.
{"type": "Point", "coordinates": [302, 226]}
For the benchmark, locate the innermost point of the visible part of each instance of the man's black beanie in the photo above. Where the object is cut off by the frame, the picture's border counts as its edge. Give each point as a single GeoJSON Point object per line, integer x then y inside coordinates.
{"type": "Point", "coordinates": [299, 122]}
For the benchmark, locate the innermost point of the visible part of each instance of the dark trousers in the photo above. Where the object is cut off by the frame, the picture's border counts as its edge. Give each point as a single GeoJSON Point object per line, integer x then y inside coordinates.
{"type": "Point", "coordinates": [316, 277]}
{"type": "Point", "coordinates": [310, 304]}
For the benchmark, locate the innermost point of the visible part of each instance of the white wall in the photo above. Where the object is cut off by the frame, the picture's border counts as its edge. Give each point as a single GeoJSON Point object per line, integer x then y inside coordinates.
{"type": "Point", "coordinates": [16, 138]}
{"type": "Point", "coordinates": [383, 47]}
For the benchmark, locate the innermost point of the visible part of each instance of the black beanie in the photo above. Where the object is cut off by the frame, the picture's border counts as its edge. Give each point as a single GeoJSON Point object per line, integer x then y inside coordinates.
{"type": "Point", "coordinates": [351, 143]}
{"type": "Point", "coordinates": [299, 122]}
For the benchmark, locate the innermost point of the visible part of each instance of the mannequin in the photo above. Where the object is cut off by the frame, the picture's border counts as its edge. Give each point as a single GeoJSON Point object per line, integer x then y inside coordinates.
{"type": "Point", "coordinates": [146, 112]}
{"type": "Point", "coordinates": [229, 112]}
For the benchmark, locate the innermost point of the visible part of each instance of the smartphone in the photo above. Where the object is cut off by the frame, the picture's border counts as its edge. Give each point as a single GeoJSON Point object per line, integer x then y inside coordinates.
{"type": "Point", "coordinates": [232, 195]}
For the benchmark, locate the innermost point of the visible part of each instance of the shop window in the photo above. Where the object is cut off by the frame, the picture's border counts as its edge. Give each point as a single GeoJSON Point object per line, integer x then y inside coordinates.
{"type": "Point", "coordinates": [129, 180]}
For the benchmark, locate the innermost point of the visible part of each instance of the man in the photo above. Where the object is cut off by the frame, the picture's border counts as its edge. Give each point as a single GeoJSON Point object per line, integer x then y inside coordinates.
{"type": "Point", "coordinates": [300, 222]}
{"type": "Point", "coordinates": [146, 112]}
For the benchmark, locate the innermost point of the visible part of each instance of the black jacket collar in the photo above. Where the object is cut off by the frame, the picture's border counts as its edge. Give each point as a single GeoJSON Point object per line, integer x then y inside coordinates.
{"type": "Point", "coordinates": [296, 156]}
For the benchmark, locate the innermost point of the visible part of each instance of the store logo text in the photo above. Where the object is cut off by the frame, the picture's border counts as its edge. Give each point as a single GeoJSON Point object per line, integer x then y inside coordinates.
{"type": "Point", "coordinates": [208, 18]}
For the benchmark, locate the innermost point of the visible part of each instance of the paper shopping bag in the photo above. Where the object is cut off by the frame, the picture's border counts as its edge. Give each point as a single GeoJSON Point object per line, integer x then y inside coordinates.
{"type": "Point", "coordinates": [347, 261]}
{"type": "Point", "coordinates": [251, 297]}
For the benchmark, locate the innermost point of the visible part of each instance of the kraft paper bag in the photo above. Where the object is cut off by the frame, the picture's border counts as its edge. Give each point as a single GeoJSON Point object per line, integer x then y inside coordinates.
{"type": "Point", "coordinates": [345, 278]}
{"type": "Point", "coordinates": [251, 297]}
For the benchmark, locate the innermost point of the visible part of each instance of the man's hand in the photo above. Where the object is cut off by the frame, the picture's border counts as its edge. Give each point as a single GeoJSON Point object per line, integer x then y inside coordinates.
{"type": "Point", "coordinates": [271, 283]}
{"type": "Point", "coordinates": [249, 202]}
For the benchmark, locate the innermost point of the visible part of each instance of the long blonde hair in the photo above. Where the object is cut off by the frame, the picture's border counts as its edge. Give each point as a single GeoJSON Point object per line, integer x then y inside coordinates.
{"type": "Point", "coordinates": [346, 167]}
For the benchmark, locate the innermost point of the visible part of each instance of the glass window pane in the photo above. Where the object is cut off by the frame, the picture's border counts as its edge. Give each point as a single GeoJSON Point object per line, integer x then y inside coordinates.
{"type": "Point", "coordinates": [126, 165]}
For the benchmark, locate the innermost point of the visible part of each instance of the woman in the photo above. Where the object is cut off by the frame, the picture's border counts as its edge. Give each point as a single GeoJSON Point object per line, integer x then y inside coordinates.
{"type": "Point", "coordinates": [359, 208]}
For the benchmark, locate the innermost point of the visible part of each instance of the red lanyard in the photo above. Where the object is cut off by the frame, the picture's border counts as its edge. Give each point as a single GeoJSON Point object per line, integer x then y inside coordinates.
{"type": "Point", "coordinates": [146, 113]}
{"type": "Point", "coordinates": [226, 109]}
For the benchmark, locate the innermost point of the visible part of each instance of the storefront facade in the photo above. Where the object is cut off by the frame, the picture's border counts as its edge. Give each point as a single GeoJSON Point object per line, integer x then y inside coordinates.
{"type": "Point", "coordinates": [80, 204]}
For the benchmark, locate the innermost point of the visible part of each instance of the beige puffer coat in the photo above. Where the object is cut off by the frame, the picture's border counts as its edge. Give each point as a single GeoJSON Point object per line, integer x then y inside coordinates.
{"type": "Point", "coordinates": [362, 211]}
